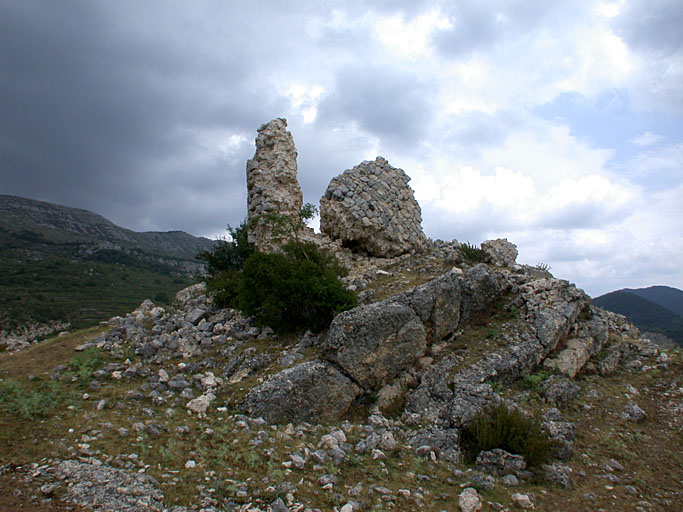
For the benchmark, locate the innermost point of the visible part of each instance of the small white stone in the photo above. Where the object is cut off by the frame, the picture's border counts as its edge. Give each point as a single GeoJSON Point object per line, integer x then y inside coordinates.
{"type": "Point", "coordinates": [190, 464]}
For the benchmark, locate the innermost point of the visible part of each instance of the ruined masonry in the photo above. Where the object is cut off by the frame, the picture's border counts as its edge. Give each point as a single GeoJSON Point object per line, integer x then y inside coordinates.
{"type": "Point", "coordinates": [372, 208]}
{"type": "Point", "coordinates": [271, 180]}
{"type": "Point", "coordinates": [369, 208]}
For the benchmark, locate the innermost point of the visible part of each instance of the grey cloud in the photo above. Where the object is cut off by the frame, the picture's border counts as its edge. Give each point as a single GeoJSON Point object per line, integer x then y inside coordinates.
{"type": "Point", "coordinates": [90, 103]}
{"type": "Point", "coordinates": [482, 24]}
{"type": "Point", "coordinates": [382, 101]}
{"type": "Point", "coordinates": [652, 26]}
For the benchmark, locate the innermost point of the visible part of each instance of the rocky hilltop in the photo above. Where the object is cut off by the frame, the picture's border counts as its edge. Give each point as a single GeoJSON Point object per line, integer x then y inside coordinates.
{"type": "Point", "coordinates": [196, 408]}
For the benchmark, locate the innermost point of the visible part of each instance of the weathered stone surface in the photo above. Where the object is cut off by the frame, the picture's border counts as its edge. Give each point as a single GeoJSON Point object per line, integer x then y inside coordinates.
{"type": "Point", "coordinates": [522, 500]}
{"type": "Point", "coordinates": [557, 474]}
{"type": "Point", "coordinates": [272, 185]}
{"type": "Point", "coordinates": [499, 462]}
{"type": "Point", "coordinates": [590, 336]}
{"type": "Point", "coordinates": [469, 501]}
{"type": "Point", "coordinates": [501, 252]}
{"type": "Point", "coordinates": [372, 207]}
{"type": "Point", "coordinates": [551, 309]}
{"type": "Point", "coordinates": [437, 303]}
{"type": "Point", "coordinates": [310, 391]}
{"type": "Point", "coordinates": [559, 390]}
{"type": "Point", "coordinates": [374, 343]}
{"type": "Point", "coordinates": [101, 487]}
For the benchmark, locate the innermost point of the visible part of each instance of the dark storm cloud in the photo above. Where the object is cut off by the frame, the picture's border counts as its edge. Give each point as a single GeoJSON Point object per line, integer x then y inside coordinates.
{"type": "Point", "coordinates": [90, 103]}
{"type": "Point", "coordinates": [652, 26]}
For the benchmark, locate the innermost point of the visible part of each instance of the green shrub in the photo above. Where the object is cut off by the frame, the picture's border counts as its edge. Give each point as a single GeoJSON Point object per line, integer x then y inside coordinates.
{"type": "Point", "coordinates": [83, 364]}
{"type": "Point", "coordinates": [508, 429]}
{"type": "Point", "coordinates": [228, 254]}
{"type": "Point", "coordinates": [27, 404]}
{"type": "Point", "coordinates": [223, 288]}
{"type": "Point", "coordinates": [297, 288]}
{"type": "Point", "coordinates": [533, 381]}
{"type": "Point", "coordinates": [473, 254]}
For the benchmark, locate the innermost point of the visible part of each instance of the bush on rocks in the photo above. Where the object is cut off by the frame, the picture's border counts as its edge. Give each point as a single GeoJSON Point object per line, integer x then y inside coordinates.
{"type": "Point", "coordinates": [508, 429]}
{"type": "Point", "coordinates": [297, 288]}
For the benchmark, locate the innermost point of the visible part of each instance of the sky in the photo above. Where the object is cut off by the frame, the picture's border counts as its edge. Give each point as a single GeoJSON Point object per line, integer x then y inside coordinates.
{"type": "Point", "coordinates": [557, 125]}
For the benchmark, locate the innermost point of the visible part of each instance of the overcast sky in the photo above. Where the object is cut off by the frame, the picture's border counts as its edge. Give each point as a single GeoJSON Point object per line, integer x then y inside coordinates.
{"type": "Point", "coordinates": [558, 125]}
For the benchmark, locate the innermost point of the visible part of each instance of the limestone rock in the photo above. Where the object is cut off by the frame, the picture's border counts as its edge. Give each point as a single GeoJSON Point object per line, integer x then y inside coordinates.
{"type": "Point", "coordinates": [559, 389]}
{"type": "Point", "coordinates": [272, 184]}
{"type": "Point", "coordinates": [501, 252]}
{"type": "Point", "coordinates": [500, 462]}
{"type": "Point", "coordinates": [310, 391]}
{"type": "Point", "coordinates": [591, 336]}
{"type": "Point", "coordinates": [372, 207]}
{"type": "Point", "coordinates": [522, 500]}
{"type": "Point", "coordinates": [469, 501]}
{"type": "Point", "coordinates": [374, 343]}
{"type": "Point", "coordinates": [557, 474]}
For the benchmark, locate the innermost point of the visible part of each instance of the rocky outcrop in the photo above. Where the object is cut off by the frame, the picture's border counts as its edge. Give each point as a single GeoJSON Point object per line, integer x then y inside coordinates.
{"type": "Point", "coordinates": [501, 252]}
{"type": "Point", "coordinates": [101, 487]}
{"type": "Point", "coordinates": [451, 398]}
{"type": "Point", "coordinates": [590, 336]}
{"type": "Point", "coordinates": [375, 343]}
{"type": "Point", "coordinates": [310, 391]}
{"type": "Point", "coordinates": [272, 185]}
{"type": "Point", "coordinates": [372, 208]}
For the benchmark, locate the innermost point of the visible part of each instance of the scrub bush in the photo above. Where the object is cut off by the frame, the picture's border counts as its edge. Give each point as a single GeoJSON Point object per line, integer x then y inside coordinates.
{"type": "Point", "coordinates": [508, 429]}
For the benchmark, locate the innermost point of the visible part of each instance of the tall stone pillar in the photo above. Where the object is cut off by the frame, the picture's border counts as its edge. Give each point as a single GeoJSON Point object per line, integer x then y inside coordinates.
{"type": "Point", "coordinates": [272, 185]}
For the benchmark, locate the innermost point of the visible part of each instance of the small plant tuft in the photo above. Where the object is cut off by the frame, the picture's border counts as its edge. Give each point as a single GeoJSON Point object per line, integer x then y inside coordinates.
{"type": "Point", "coordinates": [83, 364]}
{"type": "Point", "coordinates": [508, 429]}
{"type": "Point", "coordinates": [473, 254]}
{"type": "Point", "coordinates": [532, 381]}
{"type": "Point", "coordinates": [543, 267]}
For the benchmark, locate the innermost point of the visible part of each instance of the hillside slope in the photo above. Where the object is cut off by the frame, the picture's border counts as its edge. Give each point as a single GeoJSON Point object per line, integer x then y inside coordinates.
{"type": "Point", "coordinates": [62, 264]}
{"type": "Point", "coordinates": [665, 296]}
{"type": "Point", "coordinates": [225, 415]}
{"type": "Point", "coordinates": [645, 314]}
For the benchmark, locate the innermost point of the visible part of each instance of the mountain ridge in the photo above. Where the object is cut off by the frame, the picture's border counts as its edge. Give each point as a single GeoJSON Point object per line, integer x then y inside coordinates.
{"type": "Point", "coordinates": [646, 314]}
{"type": "Point", "coordinates": [61, 223]}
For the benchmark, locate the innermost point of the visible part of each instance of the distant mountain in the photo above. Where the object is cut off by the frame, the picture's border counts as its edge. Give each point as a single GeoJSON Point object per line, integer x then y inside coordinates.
{"type": "Point", "coordinates": [64, 224]}
{"type": "Point", "coordinates": [670, 298]}
{"type": "Point", "coordinates": [71, 265]}
{"type": "Point", "coordinates": [646, 314]}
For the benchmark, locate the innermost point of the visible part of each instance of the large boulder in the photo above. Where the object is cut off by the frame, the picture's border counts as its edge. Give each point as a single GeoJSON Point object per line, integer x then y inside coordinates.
{"type": "Point", "coordinates": [501, 252]}
{"type": "Point", "coordinates": [372, 208]}
{"type": "Point", "coordinates": [375, 343]}
{"type": "Point", "coordinates": [272, 184]}
{"type": "Point", "coordinates": [313, 391]}
{"type": "Point", "coordinates": [437, 303]}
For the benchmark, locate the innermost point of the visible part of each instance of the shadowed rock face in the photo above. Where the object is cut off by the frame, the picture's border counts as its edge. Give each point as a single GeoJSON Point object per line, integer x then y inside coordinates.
{"type": "Point", "coordinates": [371, 207]}
{"type": "Point", "coordinates": [272, 185]}
{"type": "Point", "coordinates": [374, 343]}
{"type": "Point", "coordinates": [311, 391]}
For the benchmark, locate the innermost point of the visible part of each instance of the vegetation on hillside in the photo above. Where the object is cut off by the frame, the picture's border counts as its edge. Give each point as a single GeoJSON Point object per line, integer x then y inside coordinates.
{"type": "Point", "coordinates": [298, 287]}
{"type": "Point", "coordinates": [645, 314]}
{"type": "Point", "coordinates": [43, 281]}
